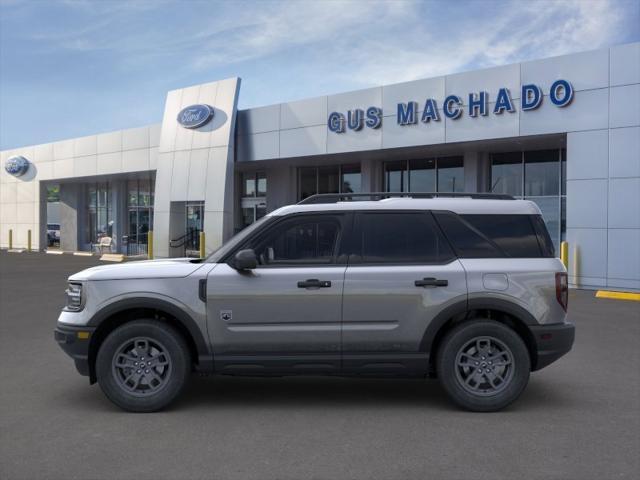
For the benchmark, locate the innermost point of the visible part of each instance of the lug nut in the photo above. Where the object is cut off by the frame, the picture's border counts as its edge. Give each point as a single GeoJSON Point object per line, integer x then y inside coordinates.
{"type": "Point", "coordinates": [139, 371]}
{"type": "Point", "coordinates": [146, 371]}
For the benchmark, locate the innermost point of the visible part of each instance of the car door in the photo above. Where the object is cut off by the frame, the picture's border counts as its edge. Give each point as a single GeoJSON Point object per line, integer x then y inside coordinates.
{"type": "Point", "coordinates": [402, 273]}
{"type": "Point", "coordinates": [285, 314]}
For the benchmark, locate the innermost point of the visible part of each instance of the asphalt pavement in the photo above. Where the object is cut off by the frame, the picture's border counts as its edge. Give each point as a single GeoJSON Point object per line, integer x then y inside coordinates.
{"type": "Point", "coordinates": [578, 418]}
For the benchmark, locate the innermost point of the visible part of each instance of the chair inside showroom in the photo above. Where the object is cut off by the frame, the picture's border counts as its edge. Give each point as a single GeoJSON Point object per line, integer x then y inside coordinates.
{"type": "Point", "coordinates": [103, 244]}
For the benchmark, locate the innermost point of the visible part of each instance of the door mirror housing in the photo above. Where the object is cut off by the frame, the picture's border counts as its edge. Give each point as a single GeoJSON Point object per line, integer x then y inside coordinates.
{"type": "Point", "coordinates": [245, 260]}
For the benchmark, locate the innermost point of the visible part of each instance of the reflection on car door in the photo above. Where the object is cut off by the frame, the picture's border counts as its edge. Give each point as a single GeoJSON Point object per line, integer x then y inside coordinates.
{"type": "Point", "coordinates": [401, 274]}
{"type": "Point", "coordinates": [286, 313]}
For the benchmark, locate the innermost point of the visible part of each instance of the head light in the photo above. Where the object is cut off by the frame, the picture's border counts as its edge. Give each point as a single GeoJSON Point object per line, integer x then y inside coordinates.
{"type": "Point", "coordinates": [74, 297]}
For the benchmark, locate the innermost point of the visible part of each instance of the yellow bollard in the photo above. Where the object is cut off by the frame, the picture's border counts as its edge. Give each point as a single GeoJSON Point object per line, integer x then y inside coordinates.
{"type": "Point", "coordinates": [201, 244]}
{"type": "Point", "coordinates": [28, 240]}
{"type": "Point", "coordinates": [564, 254]}
{"type": "Point", "coordinates": [10, 239]}
{"type": "Point", "coordinates": [150, 245]}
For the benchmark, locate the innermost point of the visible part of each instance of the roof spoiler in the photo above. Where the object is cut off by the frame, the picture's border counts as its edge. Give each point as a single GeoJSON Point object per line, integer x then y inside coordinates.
{"type": "Point", "coordinates": [375, 196]}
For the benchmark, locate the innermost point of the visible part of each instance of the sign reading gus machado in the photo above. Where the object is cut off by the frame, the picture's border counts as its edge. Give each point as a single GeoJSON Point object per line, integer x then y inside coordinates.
{"type": "Point", "coordinates": [560, 95]}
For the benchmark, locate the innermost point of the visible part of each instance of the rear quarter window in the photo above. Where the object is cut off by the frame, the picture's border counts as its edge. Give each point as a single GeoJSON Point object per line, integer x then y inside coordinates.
{"type": "Point", "coordinates": [496, 236]}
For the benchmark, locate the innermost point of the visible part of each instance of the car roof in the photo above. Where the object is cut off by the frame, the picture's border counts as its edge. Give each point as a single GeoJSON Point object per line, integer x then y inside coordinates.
{"type": "Point", "coordinates": [459, 205]}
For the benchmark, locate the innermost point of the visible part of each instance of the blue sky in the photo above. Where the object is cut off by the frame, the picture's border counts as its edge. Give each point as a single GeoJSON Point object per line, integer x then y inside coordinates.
{"type": "Point", "coordinates": [73, 68]}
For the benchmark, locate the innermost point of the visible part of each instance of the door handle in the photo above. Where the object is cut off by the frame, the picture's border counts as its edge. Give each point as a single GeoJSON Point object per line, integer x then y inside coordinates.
{"type": "Point", "coordinates": [431, 282]}
{"type": "Point", "coordinates": [314, 283]}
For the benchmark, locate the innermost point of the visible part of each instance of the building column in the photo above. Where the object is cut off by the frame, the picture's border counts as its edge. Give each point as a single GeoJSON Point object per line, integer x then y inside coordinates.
{"type": "Point", "coordinates": [371, 175]}
{"type": "Point", "coordinates": [69, 210]}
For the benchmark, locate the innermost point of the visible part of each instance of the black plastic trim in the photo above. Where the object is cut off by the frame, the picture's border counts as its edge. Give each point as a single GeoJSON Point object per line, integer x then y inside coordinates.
{"type": "Point", "coordinates": [205, 356]}
{"type": "Point", "coordinates": [506, 306]}
{"type": "Point", "coordinates": [76, 348]}
{"type": "Point", "coordinates": [552, 342]}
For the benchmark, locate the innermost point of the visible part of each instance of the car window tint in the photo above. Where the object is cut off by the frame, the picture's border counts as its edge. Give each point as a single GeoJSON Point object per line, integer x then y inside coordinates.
{"type": "Point", "coordinates": [400, 238]}
{"type": "Point", "coordinates": [300, 241]}
{"type": "Point", "coordinates": [467, 241]}
{"type": "Point", "coordinates": [514, 234]}
{"type": "Point", "coordinates": [544, 239]}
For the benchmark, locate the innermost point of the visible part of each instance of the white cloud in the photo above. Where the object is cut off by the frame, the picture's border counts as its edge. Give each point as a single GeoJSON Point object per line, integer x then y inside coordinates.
{"type": "Point", "coordinates": [525, 31]}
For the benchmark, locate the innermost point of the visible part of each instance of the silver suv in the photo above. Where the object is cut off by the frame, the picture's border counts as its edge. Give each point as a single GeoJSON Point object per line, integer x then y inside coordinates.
{"type": "Point", "coordinates": [465, 288]}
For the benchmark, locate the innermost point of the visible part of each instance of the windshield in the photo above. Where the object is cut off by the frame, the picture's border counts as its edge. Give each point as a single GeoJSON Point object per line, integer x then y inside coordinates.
{"type": "Point", "coordinates": [236, 240]}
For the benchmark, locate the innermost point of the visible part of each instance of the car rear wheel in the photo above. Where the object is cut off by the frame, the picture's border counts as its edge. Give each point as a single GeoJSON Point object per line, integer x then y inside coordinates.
{"type": "Point", "coordinates": [143, 365]}
{"type": "Point", "coordinates": [483, 365]}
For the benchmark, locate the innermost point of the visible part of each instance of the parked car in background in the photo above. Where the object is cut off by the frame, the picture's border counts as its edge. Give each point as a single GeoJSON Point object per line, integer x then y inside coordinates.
{"type": "Point", "coordinates": [53, 234]}
{"type": "Point", "coordinates": [465, 288]}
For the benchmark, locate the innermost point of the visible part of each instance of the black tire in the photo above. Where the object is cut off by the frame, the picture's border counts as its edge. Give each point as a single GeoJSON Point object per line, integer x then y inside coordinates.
{"type": "Point", "coordinates": [467, 350]}
{"type": "Point", "coordinates": [167, 365]}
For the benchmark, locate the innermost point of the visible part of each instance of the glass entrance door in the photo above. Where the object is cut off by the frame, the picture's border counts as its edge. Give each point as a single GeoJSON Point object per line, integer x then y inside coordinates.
{"type": "Point", "coordinates": [195, 225]}
{"type": "Point", "coordinates": [140, 215]}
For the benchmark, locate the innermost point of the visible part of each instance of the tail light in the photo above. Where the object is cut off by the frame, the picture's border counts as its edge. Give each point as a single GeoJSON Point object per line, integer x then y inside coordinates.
{"type": "Point", "coordinates": [562, 290]}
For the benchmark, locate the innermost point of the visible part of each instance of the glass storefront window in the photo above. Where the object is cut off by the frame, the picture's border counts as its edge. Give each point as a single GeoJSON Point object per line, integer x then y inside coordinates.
{"type": "Point", "coordinates": [140, 214]}
{"type": "Point", "coordinates": [351, 179]}
{"type": "Point", "coordinates": [541, 173]}
{"type": "Point", "coordinates": [262, 184]}
{"type": "Point", "coordinates": [307, 182]}
{"type": "Point", "coordinates": [539, 176]}
{"type": "Point", "coordinates": [550, 208]}
{"type": "Point", "coordinates": [451, 174]}
{"type": "Point", "coordinates": [99, 212]}
{"type": "Point", "coordinates": [253, 201]}
{"type": "Point", "coordinates": [254, 184]}
{"type": "Point", "coordinates": [506, 173]}
{"type": "Point", "coordinates": [53, 193]}
{"type": "Point", "coordinates": [329, 179]}
{"type": "Point", "coordinates": [249, 185]}
{"type": "Point", "coordinates": [394, 174]}
{"type": "Point", "coordinates": [444, 174]}
{"type": "Point", "coordinates": [422, 175]}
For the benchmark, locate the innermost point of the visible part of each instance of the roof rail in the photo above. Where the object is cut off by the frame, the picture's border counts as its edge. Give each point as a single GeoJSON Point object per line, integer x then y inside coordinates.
{"type": "Point", "coordinates": [375, 196]}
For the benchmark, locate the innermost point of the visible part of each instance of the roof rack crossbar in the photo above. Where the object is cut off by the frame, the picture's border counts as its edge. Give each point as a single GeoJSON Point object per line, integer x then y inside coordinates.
{"type": "Point", "coordinates": [375, 196]}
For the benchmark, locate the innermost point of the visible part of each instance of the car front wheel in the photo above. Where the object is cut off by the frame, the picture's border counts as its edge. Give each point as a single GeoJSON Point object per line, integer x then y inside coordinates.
{"type": "Point", "coordinates": [143, 365]}
{"type": "Point", "coordinates": [483, 365]}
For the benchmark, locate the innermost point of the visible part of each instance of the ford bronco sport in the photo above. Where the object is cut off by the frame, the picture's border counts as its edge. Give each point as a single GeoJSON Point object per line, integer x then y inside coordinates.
{"type": "Point", "coordinates": [465, 288]}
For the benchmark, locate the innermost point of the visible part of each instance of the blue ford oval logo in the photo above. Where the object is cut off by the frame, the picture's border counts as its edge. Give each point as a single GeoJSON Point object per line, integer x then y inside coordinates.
{"type": "Point", "coordinates": [195, 116]}
{"type": "Point", "coordinates": [16, 166]}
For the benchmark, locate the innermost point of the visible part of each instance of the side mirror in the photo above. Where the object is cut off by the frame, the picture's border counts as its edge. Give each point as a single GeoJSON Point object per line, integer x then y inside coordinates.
{"type": "Point", "coordinates": [245, 260]}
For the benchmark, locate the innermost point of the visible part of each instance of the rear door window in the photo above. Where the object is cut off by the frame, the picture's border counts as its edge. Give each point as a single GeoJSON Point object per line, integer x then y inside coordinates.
{"type": "Point", "coordinates": [399, 238]}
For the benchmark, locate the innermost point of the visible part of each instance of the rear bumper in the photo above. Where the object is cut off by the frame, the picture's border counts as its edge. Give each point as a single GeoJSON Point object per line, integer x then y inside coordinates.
{"type": "Point", "coordinates": [552, 342]}
{"type": "Point", "coordinates": [75, 343]}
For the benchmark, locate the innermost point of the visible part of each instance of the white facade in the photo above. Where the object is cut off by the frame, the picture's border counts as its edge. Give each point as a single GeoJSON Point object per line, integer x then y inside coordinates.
{"type": "Point", "coordinates": [599, 130]}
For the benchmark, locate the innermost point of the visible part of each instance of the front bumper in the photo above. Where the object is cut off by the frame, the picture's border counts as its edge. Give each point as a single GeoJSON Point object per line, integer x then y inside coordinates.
{"type": "Point", "coordinates": [75, 343]}
{"type": "Point", "coordinates": [552, 342]}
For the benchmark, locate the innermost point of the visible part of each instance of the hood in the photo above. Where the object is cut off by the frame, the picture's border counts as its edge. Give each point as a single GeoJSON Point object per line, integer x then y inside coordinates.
{"type": "Point", "coordinates": [166, 268]}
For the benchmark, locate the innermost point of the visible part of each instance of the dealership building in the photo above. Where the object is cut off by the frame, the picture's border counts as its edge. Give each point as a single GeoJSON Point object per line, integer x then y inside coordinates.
{"type": "Point", "coordinates": [563, 132]}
